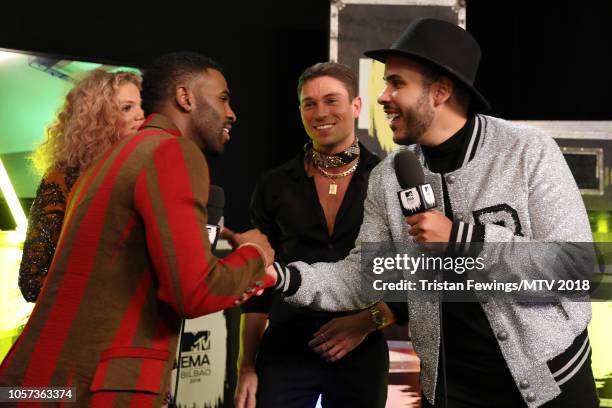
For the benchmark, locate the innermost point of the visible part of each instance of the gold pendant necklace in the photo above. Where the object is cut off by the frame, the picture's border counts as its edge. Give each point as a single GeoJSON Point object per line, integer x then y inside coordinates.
{"type": "Point", "coordinates": [333, 187]}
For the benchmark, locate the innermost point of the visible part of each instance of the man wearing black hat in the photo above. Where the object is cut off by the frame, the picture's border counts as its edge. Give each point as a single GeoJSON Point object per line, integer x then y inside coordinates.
{"type": "Point", "coordinates": [494, 181]}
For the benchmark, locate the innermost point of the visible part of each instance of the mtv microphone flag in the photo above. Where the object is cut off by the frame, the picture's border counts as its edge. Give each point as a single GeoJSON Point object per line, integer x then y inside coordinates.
{"type": "Point", "coordinates": [416, 199]}
{"type": "Point", "coordinates": [415, 196]}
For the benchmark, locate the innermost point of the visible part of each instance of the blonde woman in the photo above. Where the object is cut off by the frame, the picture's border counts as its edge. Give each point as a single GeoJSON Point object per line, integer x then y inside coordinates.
{"type": "Point", "coordinates": [100, 110]}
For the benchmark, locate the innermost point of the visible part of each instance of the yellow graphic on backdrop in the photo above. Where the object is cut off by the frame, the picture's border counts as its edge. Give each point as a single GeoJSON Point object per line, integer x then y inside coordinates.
{"type": "Point", "coordinates": [379, 126]}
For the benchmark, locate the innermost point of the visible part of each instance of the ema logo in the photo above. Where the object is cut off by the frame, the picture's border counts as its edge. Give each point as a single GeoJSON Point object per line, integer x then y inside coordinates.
{"type": "Point", "coordinates": [198, 341]}
{"type": "Point", "coordinates": [195, 346]}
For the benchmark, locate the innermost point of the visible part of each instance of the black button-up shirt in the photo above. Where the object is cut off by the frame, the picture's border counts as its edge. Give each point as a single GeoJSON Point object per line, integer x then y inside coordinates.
{"type": "Point", "coordinates": [286, 208]}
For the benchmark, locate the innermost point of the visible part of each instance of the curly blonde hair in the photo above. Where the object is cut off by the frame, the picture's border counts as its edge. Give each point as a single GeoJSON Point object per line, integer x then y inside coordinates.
{"type": "Point", "coordinates": [86, 125]}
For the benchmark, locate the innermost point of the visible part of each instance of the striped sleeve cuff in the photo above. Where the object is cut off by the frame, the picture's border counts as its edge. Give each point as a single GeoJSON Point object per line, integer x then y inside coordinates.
{"type": "Point", "coordinates": [289, 279]}
{"type": "Point", "coordinates": [465, 237]}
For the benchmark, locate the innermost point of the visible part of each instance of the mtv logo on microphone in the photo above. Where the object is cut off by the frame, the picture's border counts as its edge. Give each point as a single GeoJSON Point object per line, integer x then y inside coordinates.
{"type": "Point", "coordinates": [411, 201]}
{"type": "Point", "coordinates": [416, 199]}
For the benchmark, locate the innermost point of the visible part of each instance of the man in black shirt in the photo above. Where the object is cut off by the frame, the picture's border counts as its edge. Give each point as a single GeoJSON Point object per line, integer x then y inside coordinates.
{"type": "Point", "coordinates": [311, 209]}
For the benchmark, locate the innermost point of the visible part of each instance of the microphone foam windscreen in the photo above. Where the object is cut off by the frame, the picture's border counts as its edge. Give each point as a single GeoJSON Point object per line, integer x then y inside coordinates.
{"type": "Point", "coordinates": [216, 203]}
{"type": "Point", "coordinates": [408, 169]}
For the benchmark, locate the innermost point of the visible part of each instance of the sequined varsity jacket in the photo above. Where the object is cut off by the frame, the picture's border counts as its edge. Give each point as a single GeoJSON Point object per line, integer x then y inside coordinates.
{"type": "Point", "coordinates": [513, 186]}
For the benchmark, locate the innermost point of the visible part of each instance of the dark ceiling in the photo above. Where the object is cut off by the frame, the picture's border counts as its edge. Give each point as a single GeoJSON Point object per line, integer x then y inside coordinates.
{"type": "Point", "coordinates": [541, 60]}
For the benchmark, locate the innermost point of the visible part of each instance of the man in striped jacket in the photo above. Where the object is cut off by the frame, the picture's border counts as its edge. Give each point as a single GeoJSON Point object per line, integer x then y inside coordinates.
{"type": "Point", "coordinates": [134, 257]}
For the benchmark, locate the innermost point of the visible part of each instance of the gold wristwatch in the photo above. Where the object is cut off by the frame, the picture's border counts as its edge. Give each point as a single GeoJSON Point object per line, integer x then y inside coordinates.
{"type": "Point", "coordinates": [378, 317]}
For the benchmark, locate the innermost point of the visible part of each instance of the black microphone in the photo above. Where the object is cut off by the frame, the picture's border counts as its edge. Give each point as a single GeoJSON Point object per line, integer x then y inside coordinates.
{"type": "Point", "coordinates": [415, 196]}
{"type": "Point", "coordinates": [214, 207]}
{"type": "Point", "coordinates": [216, 202]}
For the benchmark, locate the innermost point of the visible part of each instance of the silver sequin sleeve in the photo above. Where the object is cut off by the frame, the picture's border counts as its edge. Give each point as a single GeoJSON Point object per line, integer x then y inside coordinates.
{"type": "Point", "coordinates": [337, 286]}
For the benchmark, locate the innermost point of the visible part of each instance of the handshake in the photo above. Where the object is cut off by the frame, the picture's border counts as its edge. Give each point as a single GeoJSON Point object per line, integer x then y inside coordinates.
{"type": "Point", "coordinates": [275, 271]}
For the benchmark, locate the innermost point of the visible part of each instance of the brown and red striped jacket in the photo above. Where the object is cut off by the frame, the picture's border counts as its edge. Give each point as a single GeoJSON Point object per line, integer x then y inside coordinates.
{"type": "Point", "coordinates": [133, 259]}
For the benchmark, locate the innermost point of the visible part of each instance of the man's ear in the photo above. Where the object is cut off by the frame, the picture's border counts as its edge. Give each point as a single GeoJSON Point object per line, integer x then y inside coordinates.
{"type": "Point", "coordinates": [356, 106]}
{"type": "Point", "coordinates": [184, 98]}
{"type": "Point", "coordinates": [442, 90]}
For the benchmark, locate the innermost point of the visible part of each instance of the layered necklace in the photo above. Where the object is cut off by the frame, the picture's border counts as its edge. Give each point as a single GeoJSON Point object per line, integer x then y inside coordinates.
{"type": "Point", "coordinates": [324, 161]}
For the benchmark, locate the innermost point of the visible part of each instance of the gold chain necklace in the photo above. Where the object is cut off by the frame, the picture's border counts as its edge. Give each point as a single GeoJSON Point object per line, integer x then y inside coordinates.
{"type": "Point", "coordinates": [336, 159]}
{"type": "Point", "coordinates": [333, 187]}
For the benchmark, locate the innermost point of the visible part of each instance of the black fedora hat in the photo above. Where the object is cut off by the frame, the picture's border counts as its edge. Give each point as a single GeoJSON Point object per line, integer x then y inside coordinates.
{"type": "Point", "coordinates": [445, 46]}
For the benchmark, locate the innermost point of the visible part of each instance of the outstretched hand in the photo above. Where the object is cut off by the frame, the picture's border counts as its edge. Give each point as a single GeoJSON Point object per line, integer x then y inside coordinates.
{"type": "Point", "coordinates": [253, 236]}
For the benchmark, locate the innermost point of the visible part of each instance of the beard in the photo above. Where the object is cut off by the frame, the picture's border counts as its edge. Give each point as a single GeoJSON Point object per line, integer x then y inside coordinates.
{"type": "Point", "coordinates": [208, 125]}
{"type": "Point", "coordinates": [417, 120]}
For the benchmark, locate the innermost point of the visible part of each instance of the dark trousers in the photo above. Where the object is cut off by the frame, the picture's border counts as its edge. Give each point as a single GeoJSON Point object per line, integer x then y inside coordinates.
{"type": "Point", "coordinates": [292, 376]}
